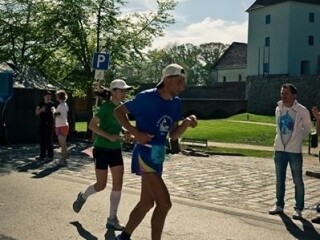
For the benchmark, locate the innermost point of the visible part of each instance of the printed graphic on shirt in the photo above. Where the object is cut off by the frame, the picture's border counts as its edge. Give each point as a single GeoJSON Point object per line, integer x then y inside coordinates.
{"type": "Point", "coordinates": [286, 124]}
{"type": "Point", "coordinates": [164, 124]}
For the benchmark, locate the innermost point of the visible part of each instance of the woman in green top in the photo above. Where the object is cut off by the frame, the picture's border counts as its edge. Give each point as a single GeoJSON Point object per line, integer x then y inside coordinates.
{"type": "Point", "coordinates": [107, 153]}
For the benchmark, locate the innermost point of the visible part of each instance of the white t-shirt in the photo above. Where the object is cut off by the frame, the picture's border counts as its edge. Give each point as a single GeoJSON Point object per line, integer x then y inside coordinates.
{"type": "Point", "coordinates": [62, 118]}
{"type": "Point", "coordinates": [286, 124]}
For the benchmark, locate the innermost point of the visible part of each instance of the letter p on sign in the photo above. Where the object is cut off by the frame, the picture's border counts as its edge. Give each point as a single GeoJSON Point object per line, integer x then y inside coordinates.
{"type": "Point", "coordinates": [100, 61]}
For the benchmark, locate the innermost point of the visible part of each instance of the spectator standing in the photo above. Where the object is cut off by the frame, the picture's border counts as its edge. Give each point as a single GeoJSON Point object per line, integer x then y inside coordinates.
{"type": "Point", "coordinates": [293, 124]}
{"type": "Point", "coordinates": [61, 124]}
{"type": "Point", "coordinates": [316, 114]}
{"type": "Point", "coordinates": [46, 127]}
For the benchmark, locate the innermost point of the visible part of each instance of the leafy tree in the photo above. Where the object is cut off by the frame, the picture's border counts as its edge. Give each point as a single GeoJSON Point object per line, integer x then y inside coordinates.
{"type": "Point", "coordinates": [23, 33]}
{"type": "Point", "coordinates": [59, 37]}
{"type": "Point", "coordinates": [209, 54]}
{"type": "Point", "coordinates": [197, 60]}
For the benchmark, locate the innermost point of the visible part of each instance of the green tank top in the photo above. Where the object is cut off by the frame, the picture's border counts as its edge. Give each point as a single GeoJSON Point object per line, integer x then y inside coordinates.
{"type": "Point", "coordinates": [109, 124]}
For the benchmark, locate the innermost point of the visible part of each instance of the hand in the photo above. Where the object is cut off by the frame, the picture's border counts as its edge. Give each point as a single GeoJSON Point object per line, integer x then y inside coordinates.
{"type": "Point", "coordinates": [191, 121]}
{"type": "Point", "coordinates": [114, 137]}
{"type": "Point", "coordinates": [315, 112]}
{"type": "Point", "coordinates": [143, 138]}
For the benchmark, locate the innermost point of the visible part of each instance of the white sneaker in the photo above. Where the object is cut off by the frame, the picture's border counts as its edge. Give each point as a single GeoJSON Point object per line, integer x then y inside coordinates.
{"type": "Point", "coordinates": [113, 223]}
{"type": "Point", "coordinates": [297, 215]}
{"type": "Point", "coordinates": [276, 210]}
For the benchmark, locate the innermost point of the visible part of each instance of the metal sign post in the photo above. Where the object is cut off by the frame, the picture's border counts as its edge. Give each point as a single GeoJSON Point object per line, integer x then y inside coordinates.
{"type": "Point", "coordinates": [100, 63]}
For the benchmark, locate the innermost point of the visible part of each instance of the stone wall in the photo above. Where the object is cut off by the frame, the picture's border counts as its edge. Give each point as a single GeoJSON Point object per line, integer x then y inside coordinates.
{"type": "Point", "coordinates": [264, 93]}
{"type": "Point", "coordinates": [227, 90]}
{"type": "Point", "coordinates": [213, 108]}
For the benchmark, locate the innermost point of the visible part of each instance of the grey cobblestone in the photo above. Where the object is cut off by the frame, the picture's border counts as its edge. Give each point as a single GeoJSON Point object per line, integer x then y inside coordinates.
{"type": "Point", "coordinates": [233, 181]}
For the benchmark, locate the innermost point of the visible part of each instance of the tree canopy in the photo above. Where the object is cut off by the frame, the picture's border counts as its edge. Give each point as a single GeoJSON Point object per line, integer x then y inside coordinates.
{"type": "Point", "coordinates": [59, 37]}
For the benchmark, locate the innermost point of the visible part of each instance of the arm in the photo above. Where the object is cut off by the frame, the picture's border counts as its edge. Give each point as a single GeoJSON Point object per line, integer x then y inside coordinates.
{"type": "Point", "coordinates": [177, 130]}
{"type": "Point", "coordinates": [54, 112]}
{"type": "Point", "coordinates": [93, 126]}
{"type": "Point", "coordinates": [39, 110]}
{"type": "Point", "coordinates": [306, 123]}
{"type": "Point", "coordinates": [120, 113]}
{"type": "Point", "coordinates": [316, 115]}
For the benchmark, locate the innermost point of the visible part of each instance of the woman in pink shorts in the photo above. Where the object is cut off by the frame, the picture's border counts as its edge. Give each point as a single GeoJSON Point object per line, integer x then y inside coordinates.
{"type": "Point", "coordinates": [61, 124]}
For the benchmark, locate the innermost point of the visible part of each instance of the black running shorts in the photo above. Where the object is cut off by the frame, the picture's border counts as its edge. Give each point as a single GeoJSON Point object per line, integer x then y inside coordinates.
{"type": "Point", "coordinates": [107, 157]}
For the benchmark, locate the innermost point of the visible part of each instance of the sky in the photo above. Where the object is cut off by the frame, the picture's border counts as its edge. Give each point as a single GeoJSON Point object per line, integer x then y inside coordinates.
{"type": "Point", "coordinates": [201, 21]}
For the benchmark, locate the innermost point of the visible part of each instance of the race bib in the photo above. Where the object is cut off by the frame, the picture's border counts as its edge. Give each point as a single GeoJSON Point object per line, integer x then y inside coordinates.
{"type": "Point", "coordinates": [158, 153]}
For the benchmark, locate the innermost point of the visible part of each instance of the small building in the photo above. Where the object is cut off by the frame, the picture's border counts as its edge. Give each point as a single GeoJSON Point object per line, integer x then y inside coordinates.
{"type": "Point", "coordinates": [232, 65]}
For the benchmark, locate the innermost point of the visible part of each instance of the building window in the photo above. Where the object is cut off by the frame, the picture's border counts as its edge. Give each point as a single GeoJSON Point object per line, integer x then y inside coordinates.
{"type": "Point", "coordinates": [267, 42]}
{"type": "Point", "coordinates": [310, 40]}
{"type": "Point", "coordinates": [268, 19]}
{"type": "Point", "coordinates": [224, 78]}
{"type": "Point", "coordinates": [311, 17]}
{"type": "Point", "coordinates": [240, 77]}
{"type": "Point", "coordinates": [305, 68]}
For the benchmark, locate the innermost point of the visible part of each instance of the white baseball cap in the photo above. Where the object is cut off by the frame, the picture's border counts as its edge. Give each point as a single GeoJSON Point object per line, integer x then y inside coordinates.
{"type": "Point", "coordinates": [172, 70]}
{"type": "Point", "coordinates": [119, 83]}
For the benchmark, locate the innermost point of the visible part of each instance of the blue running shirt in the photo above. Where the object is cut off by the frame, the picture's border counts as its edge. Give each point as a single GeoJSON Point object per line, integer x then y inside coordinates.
{"type": "Point", "coordinates": [154, 115]}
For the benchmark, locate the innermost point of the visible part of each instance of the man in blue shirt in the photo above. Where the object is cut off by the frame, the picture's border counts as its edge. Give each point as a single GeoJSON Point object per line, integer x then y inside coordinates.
{"type": "Point", "coordinates": [157, 113]}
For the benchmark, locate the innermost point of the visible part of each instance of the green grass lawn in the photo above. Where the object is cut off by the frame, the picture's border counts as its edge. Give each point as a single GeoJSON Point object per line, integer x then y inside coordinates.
{"type": "Point", "coordinates": [242, 128]}
{"type": "Point", "coordinates": [249, 117]}
{"type": "Point", "coordinates": [233, 132]}
{"type": "Point", "coordinates": [258, 130]}
{"type": "Point", "coordinates": [81, 126]}
{"type": "Point", "coordinates": [240, 152]}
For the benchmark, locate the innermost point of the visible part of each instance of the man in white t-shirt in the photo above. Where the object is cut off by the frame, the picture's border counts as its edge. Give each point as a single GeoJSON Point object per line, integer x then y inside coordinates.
{"type": "Point", "coordinates": [293, 125]}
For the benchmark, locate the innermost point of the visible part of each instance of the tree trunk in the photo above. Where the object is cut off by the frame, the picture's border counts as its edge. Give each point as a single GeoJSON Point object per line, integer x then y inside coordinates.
{"type": "Point", "coordinates": [90, 103]}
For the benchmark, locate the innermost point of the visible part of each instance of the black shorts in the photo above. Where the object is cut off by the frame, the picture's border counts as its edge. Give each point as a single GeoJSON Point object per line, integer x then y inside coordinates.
{"type": "Point", "coordinates": [107, 157]}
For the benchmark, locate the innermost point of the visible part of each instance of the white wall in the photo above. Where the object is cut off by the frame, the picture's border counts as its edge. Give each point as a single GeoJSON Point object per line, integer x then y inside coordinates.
{"type": "Point", "coordinates": [288, 31]}
{"type": "Point", "coordinates": [232, 75]}
{"type": "Point", "coordinates": [300, 29]}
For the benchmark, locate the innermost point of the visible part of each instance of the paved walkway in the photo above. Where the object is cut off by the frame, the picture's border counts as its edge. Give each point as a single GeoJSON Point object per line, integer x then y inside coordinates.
{"type": "Point", "coordinates": [229, 181]}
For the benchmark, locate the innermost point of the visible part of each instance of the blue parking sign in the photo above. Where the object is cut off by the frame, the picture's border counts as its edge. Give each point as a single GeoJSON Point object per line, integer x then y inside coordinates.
{"type": "Point", "coordinates": [100, 61]}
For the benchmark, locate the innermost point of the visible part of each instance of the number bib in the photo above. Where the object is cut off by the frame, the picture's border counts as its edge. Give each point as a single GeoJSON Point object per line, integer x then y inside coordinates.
{"type": "Point", "coordinates": [158, 153]}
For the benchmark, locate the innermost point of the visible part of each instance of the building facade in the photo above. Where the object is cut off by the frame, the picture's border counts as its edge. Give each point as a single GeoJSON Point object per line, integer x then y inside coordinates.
{"type": "Point", "coordinates": [232, 65]}
{"type": "Point", "coordinates": [284, 38]}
